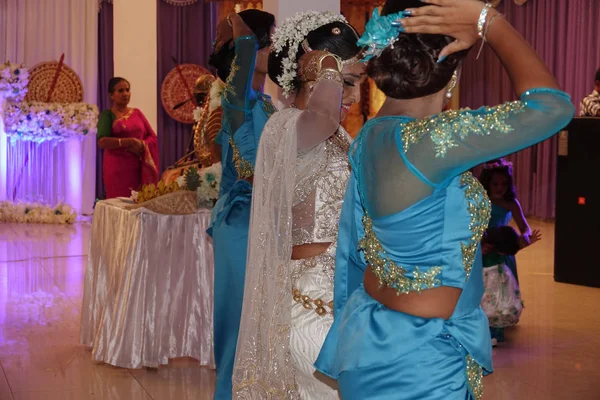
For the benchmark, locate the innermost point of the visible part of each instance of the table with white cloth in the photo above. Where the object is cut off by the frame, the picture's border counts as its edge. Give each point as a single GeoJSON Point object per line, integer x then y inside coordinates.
{"type": "Point", "coordinates": [148, 293]}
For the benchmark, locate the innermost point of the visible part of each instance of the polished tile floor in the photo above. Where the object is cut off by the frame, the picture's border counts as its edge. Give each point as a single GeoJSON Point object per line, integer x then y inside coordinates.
{"type": "Point", "coordinates": [550, 355]}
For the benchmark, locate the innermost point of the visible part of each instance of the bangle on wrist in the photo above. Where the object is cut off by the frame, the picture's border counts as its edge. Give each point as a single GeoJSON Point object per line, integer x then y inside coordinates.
{"type": "Point", "coordinates": [482, 19]}
{"type": "Point", "coordinates": [330, 74]}
{"type": "Point", "coordinates": [485, 27]}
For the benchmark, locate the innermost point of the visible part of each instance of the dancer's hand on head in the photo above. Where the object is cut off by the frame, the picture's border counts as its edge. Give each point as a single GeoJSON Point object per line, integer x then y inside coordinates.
{"type": "Point", "coordinates": [224, 34]}
{"type": "Point", "coordinates": [313, 62]}
{"type": "Point", "coordinates": [454, 18]}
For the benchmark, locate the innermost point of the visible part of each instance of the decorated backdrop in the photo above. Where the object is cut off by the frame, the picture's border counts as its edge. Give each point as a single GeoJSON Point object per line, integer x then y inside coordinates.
{"type": "Point", "coordinates": [55, 171]}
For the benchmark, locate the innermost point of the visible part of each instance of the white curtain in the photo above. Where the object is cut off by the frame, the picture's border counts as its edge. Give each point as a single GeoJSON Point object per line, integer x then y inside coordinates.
{"type": "Point", "coordinates": [34, 31]}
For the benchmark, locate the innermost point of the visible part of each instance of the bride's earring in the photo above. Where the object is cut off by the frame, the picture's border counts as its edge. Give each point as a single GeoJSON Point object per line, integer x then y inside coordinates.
{"type": "Point", "coordinates": [452, 86]}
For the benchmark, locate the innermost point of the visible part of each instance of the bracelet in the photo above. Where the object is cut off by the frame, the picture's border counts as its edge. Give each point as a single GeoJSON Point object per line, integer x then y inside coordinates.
{"type": "Point", "coordinates": [487, 27]}
{"type": "Point", "coordinates": [330, 74]}
{"type": "Point", "coordinates": [482, 18]}
{"type": "Point", "coordinates": [483, 33]}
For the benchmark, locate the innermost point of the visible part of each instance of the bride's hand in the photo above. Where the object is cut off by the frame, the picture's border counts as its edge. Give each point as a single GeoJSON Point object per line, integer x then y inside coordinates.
{"type": "Point", "coordinates": [454, 18]}
{"type": "Point", "coordinates": [313, 62]}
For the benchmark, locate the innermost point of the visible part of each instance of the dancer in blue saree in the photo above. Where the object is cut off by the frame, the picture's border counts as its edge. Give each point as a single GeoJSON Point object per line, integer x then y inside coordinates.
{"type": "Point", "coordinates": [408, 322]}
{"type": "Point", "coordinates": [241, 57]}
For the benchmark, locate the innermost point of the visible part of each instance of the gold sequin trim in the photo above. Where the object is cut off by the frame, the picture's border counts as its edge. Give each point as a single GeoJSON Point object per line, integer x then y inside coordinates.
{"type": "Point", "coordinates": [268, 106]}
{"type": "Point", "coordinates": [388, 272]}
{"type": "Point", "coordinates": [445, 128]}
{"type": "Point", "coordinates": [321, 307]}
{"type": "Point", "coordinates": [480, 210]}
{"type": "Point", "coordinates": [475, 378]}
{"type": "Point", "coordinates": [229, 89]}
{"type": "Point", "coordinates": [243, 167]}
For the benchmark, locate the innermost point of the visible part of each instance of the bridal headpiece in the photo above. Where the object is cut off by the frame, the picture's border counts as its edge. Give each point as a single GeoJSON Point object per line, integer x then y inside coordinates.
{"type": "Point", "coordinates": [292, 33]}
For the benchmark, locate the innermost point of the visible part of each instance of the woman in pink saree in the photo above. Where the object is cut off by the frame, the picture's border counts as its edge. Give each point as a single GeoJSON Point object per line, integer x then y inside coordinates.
{"type": "Point", "coordinates": [130, 145]}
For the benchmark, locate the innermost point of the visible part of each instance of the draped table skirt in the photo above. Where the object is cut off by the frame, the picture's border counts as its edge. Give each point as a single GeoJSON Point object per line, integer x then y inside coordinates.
{"type": "Point", "coordinates": [148, 293]}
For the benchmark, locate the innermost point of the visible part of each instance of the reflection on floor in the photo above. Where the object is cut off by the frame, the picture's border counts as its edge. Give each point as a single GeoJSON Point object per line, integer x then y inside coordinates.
{"type": "Point", "coordinates": [550, 355]}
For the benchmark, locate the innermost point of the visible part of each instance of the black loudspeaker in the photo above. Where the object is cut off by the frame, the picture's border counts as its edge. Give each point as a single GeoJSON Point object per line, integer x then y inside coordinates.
{"type": "Point", "coordinates": [577, 230]}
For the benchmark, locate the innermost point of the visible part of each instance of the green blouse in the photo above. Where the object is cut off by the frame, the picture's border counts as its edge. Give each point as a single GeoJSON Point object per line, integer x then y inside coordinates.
{"type": "Point", "coordinates": [105, 122]}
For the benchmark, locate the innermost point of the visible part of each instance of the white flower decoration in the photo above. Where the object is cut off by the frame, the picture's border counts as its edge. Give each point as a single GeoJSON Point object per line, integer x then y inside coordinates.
{"type": "Point", "coordinates": [14, 79]}
{"type": "Point", "coordinates": [40, 122]}
{"type": "Point", "coordinates": [36, 213]}
{"type": "Point", "coordinates": [208, 191]}
{"type": "Point", "coordinates": [180, 181]}
{"type": "Point", "coordinates": [198, 114]}
{"type": "Point", "coordinates": [291, 33]}
{"type": "Point", "coordinates": [216, 91]}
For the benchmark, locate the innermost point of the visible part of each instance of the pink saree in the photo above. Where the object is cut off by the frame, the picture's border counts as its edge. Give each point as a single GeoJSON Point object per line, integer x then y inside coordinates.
{"type": "Point", "coordinates": [124, 171]}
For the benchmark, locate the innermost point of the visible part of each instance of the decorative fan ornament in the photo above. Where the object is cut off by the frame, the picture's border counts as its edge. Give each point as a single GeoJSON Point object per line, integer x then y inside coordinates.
{"type": "Point", "coordinates": [176, 91]}
{"type": "Point", "coordinates": [54, 82]}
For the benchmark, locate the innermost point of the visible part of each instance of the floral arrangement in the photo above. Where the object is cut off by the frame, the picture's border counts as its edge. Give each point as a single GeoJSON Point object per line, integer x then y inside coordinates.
{"type": "Point", "coordinates": [216, 91]}
{"type": "Point", "coordinates": [14, 79]}
{"type": "Point", "coordinates": [198, 113]}
{"type": "Point", "coordinates": [292, 33]}
{"type": "Point", "coordinates": [208, 191]}
{"type": "Point", "coordinates": [40, 122]}
{"type": "Point", "coordinates": [34, 213]}
{"type": "Point", "coordinates": [205, 183]}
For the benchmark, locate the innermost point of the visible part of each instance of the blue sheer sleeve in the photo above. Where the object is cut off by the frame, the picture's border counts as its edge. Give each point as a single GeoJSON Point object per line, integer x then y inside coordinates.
{"type": "Point", "coordinates": [403, 160]}
{"type": "Point", "coordinates": [238, 96]}
{"type": "Point", "coordinates": [459, 140]}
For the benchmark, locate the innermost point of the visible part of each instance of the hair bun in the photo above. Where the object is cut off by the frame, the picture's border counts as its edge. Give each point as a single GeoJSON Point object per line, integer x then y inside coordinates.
{"type": "Point", "coordinates": [410, 70]}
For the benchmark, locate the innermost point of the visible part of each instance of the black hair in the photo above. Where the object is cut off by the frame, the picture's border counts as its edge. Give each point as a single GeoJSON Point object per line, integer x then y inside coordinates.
{"type": "Point", "coordinates": [487, 174]}
{"type": "Point", "coordinates": [337, 38]}
{"type": "Point", "coordinates": [261, 23]}
{"type": "Point", "coordinates": [504, 239]}
{"type": "Point", "coordinates": [598, 75]}
{"type": "Point", "coordinates": [114, 82]}
{"type": "Point", "coordinates": [409, 69]}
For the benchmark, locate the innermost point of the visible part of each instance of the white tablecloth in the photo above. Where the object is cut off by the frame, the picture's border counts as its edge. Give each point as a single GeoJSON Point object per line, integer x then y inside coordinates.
{"type": "Point", "coordinates": [148, 287]}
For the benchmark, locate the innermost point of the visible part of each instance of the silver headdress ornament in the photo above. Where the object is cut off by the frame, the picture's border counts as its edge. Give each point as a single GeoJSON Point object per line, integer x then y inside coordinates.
{"type": "Point", "coordinates": [292, 33]}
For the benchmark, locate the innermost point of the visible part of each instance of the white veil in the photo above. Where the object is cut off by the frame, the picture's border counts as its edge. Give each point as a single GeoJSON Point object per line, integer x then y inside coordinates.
{"type": "Point", "coordinates": [263, 367]}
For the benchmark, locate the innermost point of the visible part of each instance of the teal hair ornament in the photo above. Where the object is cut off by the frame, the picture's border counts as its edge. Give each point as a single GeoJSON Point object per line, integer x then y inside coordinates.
{"type": "Point", "coordinates": [380, 33]}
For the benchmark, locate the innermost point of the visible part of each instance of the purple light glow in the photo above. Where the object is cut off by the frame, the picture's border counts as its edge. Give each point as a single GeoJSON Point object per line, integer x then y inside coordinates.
{"type": "Point", "coordinates": [74, 183]}
{"type": "Point", "coordinates": [3, 154]}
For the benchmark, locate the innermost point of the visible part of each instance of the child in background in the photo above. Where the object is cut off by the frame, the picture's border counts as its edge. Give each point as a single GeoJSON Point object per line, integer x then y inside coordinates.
{"type": "Point", "coordinates": [502, 298]}
{"type": "Point", "coordinates": [497, 180]}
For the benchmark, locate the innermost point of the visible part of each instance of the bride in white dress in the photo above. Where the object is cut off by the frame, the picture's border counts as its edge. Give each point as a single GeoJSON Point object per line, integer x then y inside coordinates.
{"type": "Point", "coordinates": [299, 183]}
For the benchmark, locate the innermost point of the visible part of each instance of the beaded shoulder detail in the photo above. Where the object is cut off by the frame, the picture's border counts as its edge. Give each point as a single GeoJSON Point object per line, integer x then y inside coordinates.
{"type": "Point", "coordinates": [229, 91]}
{"type": "Point", "coordinates": [242, 166]}
{"type": "Point", "coordinates": [446, 128]}
{"type": "Point", "coordinates": [388, 272]}
{"type": "Point", "coordinates": [480, 210]}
